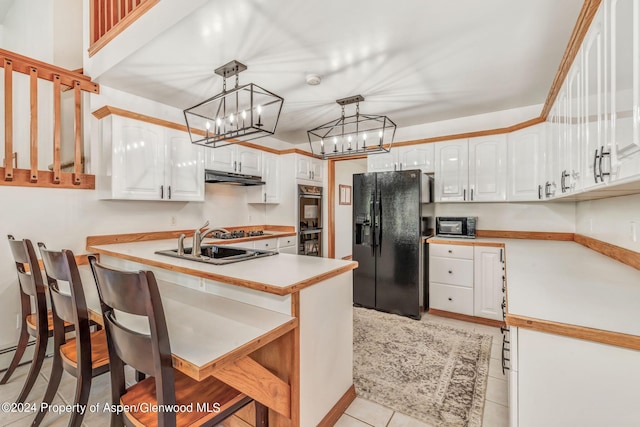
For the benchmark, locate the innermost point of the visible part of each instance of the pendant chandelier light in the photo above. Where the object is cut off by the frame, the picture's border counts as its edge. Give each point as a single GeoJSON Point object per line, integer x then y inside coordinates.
{"type": "Point", "coordinates": [354, 135]}
{"type": "Point", "coordinates": [240, 114]}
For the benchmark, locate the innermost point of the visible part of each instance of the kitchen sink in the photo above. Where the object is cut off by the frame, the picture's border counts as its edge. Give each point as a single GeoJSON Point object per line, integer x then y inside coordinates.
{"type": "Point", "coordinates": [219, 254]}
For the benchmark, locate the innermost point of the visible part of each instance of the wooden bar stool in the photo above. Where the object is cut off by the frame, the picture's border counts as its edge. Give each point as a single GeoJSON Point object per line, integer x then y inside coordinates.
{"type": "Point", "coordinates": [86, 356]}
{"type": "Point", "coordinates": [137, 293]}
{"type": "Point", "coordinates": [38, 324]}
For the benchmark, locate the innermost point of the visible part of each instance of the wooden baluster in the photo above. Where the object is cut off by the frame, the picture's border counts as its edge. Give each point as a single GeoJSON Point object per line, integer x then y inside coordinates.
{"type": "Point", "coordinates": [8, 120]}
{"type": "Point", "coordinates": [102, 9]}
{"type": "Point", "coordinates": [77, 167]}
{"type": "Point", "coordinates": [33, 81]}
{"type": "Point", "coordinates": [57, 118]}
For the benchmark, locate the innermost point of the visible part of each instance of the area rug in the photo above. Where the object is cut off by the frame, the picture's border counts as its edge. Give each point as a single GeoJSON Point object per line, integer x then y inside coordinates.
{"type": "Point", "coordinates": [429, 371]}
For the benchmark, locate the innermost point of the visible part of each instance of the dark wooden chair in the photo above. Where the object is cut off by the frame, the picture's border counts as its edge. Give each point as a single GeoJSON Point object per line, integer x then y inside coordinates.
{"type": "Point", "coordinates": [38, 324]}
{"type": "Point", "coordinates": [84, 356]}
{"type": "Point", "coordinates": [137, 293]}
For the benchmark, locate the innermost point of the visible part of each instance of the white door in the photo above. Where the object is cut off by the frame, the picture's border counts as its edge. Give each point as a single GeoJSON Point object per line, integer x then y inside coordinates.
{"type": "Point", "coordinates": [552, 152]}
{"type": "Point", "coordinates": [138, 160]}
{"type": "Point", "coordinates": [452, 171]}
{"type": "Point", "coordinates": [222, 158]}
{"type": "Point", "coordinates": [185, 168]}
{"type": "Point", "coordinates": [417, 157]}
{"type": "Point", "coordinates": [595, 126]}
{"type": "Point", "coordinates": [382, 162]}
{"type": "Point", "coordinates": [316, 168]}
{"type": "Point", "coordinates": [249, 161]}
{"type": "Point", "coordinates": [487, 282]}
{"type": "Point", "coordinates": [624, 24]}
{"type": "Point", "coordinates": [271, 176]}
{"type": "Point", "coordinates": [488, 168]}
{"type": "Point", "coordinates": [525, 149]}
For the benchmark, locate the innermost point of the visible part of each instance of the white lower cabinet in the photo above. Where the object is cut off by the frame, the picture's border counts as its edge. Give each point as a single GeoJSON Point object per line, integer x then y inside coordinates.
{"type": "Point", "coordinates": [466, 280]}
{"type": "Point", "coordinates": [287, 245]}
{"type": "Point", "coordinates": [561, 381]}
{"type": "Point", "coordinates": [488, 282]}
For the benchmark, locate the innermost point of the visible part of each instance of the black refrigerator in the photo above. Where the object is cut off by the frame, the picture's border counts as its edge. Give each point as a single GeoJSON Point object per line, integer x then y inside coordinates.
{"type": "Point", "coordinates": [387, 241]}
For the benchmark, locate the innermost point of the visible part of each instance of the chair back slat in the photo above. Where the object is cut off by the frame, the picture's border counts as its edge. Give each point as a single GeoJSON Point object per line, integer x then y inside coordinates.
{"type": "Point", "coordinates": [63, 304]}
{"type": "Point", "coordinates": [132, 347]}
{"type": "Point", "coordinates": [23, 253]}
{"type": "Point", "coordinates": [123, 290]}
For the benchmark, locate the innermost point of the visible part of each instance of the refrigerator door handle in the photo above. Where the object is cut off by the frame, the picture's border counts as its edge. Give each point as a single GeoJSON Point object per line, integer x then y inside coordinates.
{"type": "Point", "coordinates": [373, 223]}
{"type": "Point", "coordinates": [379, 202]}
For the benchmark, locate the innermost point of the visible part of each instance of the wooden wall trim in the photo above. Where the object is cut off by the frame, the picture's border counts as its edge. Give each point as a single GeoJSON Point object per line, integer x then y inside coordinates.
{"type": "Point", "coordinates": [338, 409]}
{"type": "Point", "coordinates": [331, 183]}
{"type": "Point", "coordinates": [626, 256]}
{"type": "Point", "coordinates": [588, 11]}
{"type": "Point", "coordinates": [466, 318]}
{"type": "Point", "coordinates": [597, 335]}
{"type": "Point", "coordinates": [22, 178]}
{"type": "Point", "coordinates": [531, 235]}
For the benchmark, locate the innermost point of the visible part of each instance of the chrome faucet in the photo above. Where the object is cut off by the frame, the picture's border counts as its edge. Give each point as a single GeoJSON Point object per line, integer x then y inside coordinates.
{"type": "Point", "coordinates": [199, 235]}
{"type": "Point", "coordinates": [181, 245]}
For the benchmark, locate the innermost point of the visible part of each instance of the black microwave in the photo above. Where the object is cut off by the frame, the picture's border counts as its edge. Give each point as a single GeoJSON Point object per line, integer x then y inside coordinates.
{"type": "Point", "coordinates": [464, 227]}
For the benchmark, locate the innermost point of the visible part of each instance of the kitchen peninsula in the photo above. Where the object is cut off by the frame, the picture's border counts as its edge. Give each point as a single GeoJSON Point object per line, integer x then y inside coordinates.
{"type": "Point", "coordinates": [314, 360]}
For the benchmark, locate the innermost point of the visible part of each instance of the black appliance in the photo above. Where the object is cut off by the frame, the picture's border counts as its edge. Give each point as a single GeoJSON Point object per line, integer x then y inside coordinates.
{"type": "Point", "coordinates": [388, 243]}
{"type": "Point", "coordinates": [464, 227]}
{"type": "Point", "coordinates": [219, 177]}
{"type": "Point", "coordinates": [310, 220]}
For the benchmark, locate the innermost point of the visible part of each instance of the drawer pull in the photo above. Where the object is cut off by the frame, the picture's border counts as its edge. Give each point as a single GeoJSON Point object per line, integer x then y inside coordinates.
{"type": "Point", "coordinates": [450, 251]}
{"type": "Point", "coordinates": [450, 271]}
{"type": "Point", "coordinates": [450, 299]}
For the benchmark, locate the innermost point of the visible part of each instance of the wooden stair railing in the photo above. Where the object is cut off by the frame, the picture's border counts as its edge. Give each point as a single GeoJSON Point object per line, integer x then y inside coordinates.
{"type": "Point", "coordinates": [108, 18]}
{"type": "Point", "coordinates": [62, 79]}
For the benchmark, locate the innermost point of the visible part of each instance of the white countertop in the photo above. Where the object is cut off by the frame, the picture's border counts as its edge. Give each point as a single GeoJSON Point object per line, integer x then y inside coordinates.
{"type": "Point", "coordinates": [280, 274]}
{"type": "Point", "coordinates": [565, 282]}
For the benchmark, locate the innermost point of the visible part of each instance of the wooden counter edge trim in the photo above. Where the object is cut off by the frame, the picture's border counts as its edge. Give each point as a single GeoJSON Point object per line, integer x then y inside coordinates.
{"type": "Point", "coordinates": [296, 287]}
{"type": "Point", "coordinates": [531, 235]}
{"type": "Point", "coordinates": [263, 287]}
{"type": "Point", "coordinates": [466, 318]}
{"type": "Point", "coordinates": [338, 409]}
{"type": "Point", "coordinates": [625, 256]}
{"type": "Point", "coordinates": [107, 239]}
{"type": "Point", "coordinates": [617, 339]}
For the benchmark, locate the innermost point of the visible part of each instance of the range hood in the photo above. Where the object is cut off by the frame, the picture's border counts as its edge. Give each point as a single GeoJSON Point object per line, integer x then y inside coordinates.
{"type": "Point", "coordinates": [219, 177]}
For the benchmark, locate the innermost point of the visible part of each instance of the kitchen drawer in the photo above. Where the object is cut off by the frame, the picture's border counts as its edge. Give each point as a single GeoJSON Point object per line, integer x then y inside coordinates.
{"type": "Point", "coordinates": [451, 271]}
{"type": "Point", "coordinates": [455, 299]}
{"type": "Point", "coordinates": [268, 244]}
{"type": "Point", "coordinates": [451, 251]}
{"type": "Point", "coordinates": [285, 242]}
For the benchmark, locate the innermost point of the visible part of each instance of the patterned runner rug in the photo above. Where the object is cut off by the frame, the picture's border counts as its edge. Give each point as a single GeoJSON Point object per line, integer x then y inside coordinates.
{"type": "Point", "coordinates": [432, 372]}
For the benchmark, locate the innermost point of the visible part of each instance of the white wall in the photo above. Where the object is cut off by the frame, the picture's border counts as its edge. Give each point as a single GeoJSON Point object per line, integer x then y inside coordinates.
{"type": "Point", "coordinates": [611, 220]}
{"type": "Point", "coordinates": [344, 171]}
{"type": "Point", "coordinates": [546, 216]}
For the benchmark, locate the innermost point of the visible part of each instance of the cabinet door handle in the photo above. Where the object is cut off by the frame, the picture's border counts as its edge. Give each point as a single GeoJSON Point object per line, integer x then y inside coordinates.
{"type": "Point", "coordinates": [602, 154]}
{"type": "Point", "coordinates": [313, 175]}
{"type": "Point", "coordinates": [240, 167]}
{"type": "Point", "coordinates": [169, 192]}
{"type": "Point", "coordinates": [595, 166]}
{"type": "Point", "coordinates": [501, 256]}
{"type": "Point", "coordinates": [472, 194]}
{"type": "Point", "coordinates": [464, 194]}
{"type": "Point", "coordinates": [450, 271]}
{"type": "Point", "coordinates": [162, 191]}
{"type": "Point", "coordinates": [539, 192]}
{"type": "Point", "coordinates": [235, 164]}
{"type": "Point", "coordinates": [309, 174]}
{"type": "Point", "coordinates": [265, 197]}
{"type": "Point", "coordinates": [450, 299]}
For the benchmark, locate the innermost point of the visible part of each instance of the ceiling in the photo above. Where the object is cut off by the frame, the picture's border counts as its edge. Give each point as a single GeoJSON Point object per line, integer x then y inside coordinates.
{"type": "Point", "coordinates": [417, 61]}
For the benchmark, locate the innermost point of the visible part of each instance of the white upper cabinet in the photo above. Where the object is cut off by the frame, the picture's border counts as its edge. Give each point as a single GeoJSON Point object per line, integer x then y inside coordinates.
{"type": "Point", "coordinates": [270, 191]}
{"type": "Point", "coordinates": [571, 135]}
{"type": "Point", "coordinates": [382, 162]}
{"type": "Point", "coordinates": [595, 126]}
{"type": "Point", "coordinates": [185, 167]}
{"type": "Point", "coordinates": [309, 168]}
{"type": "Point", "coordinates": [487, 168]}
{"type": "Point", "coordinates": [234, 158]}
{"type": "Point", "coordinates": [417, 157]}
{"type": "Point", "coordinates": [451, 170]}
{"type": "Point", "coordinates": [144, 161]}
{"type": "Point", "coordinates": [526, 168]}
{"type": "Point", "coordinates": [624, 57]}
{"type": "Point", "coordinates": [403, 158]}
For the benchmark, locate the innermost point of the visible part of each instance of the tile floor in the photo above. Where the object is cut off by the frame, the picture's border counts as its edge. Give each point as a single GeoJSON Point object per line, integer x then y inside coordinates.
{"type": "Point", "coordinates": [364, 413]}
{"type": "Point", "coordinates": [361, 413]}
